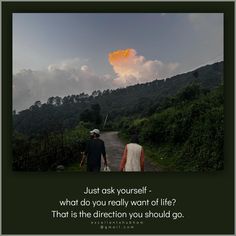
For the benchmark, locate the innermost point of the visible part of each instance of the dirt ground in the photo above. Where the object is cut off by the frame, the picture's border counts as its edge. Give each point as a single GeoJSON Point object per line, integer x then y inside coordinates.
{"type": "Point", "coordinates": [114, 149]}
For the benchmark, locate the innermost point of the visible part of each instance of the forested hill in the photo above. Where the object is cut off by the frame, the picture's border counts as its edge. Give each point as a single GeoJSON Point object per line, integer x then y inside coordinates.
{"type": "Point", "coordinates": [139, 100]}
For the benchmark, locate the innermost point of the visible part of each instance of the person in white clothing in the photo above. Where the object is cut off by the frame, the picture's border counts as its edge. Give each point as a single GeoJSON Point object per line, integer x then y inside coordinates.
{"type": "Point", "coordinates": [133, 157]}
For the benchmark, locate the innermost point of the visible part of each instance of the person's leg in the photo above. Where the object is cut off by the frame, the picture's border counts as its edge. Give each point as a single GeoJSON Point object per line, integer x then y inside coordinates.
{"type": "Point", "coordinates": [96, 168]}
{"type": "Point", "coordinates": [89, 168]}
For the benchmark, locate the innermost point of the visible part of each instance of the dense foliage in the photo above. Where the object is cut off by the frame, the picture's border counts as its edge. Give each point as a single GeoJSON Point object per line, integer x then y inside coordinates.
{"type": "Point", "coordinates": [42, 153]}
{"type": "Point", "coordinates": [187, 133]}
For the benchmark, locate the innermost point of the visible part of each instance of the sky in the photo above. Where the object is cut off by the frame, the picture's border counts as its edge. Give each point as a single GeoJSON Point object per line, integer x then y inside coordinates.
{"type": "Point", "coordinates": [57, 54]}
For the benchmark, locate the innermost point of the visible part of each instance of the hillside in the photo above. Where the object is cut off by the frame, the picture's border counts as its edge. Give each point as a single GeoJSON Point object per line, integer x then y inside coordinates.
{"type": "Point", "coordinates": [136, 101]}
{"type": "Point", "coordinates": [186, 134]}
{"type": "Point", "coordinates": [180, 123]}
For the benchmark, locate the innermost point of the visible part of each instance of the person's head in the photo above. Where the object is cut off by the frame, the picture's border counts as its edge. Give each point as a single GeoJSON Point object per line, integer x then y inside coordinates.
{"type": "Point", "coordinates": [135, 139]}
{"type": "Point", "coordinates": [95, 133]}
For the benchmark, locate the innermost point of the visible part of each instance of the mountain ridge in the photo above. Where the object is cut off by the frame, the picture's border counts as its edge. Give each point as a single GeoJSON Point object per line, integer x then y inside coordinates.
{"type": "Point", "coordinates": [134, 100]}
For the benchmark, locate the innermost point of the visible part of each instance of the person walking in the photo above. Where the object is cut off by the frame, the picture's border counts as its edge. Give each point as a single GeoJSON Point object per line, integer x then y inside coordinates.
{"type": "Point", "coordinates": [133, 156]}
{"type": "Point", "coordinates": [95, 148]}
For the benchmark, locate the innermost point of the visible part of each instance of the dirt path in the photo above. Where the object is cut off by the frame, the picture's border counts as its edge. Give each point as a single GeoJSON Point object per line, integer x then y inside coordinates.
{"type": "Point", "coordinates": [114, 149]}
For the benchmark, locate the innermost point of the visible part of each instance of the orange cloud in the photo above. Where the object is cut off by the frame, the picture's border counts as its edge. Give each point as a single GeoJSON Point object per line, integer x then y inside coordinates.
{"type": "Point", "coordinates": [126, 63]}
{"type": "Point", "coordinates": [121, 56]}
{"type": "Point", "coordinates": [132, 68]}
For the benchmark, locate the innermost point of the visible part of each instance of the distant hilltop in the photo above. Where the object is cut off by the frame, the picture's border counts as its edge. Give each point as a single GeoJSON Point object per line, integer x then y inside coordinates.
{"type": "Point", "coordinates": [66, 112]}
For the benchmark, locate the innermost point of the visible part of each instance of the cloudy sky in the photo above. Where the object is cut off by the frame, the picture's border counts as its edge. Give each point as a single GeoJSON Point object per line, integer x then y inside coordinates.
{"type": "Point", "coordinates": [62, 54]}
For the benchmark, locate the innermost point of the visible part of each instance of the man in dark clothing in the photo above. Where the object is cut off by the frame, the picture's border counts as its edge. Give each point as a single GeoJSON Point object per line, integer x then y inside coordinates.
{"type": "Point", "coordinates": [94, 149]}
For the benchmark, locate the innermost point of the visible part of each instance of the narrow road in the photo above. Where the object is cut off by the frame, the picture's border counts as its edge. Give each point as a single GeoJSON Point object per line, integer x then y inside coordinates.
{"type": "Point", "coordinates": [114, 149]}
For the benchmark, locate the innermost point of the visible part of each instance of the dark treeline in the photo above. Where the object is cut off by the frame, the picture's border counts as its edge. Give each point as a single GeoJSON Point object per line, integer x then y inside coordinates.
{"type": "Point", "coordinates": [41, 133]}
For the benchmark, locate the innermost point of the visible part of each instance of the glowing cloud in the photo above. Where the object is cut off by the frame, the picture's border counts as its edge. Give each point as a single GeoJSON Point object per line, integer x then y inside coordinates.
{"type": "Point", "coordinates": [73, 76]}
{"type": "Point", "coordinates": [132, 68]}
{"type": "Point", "coordinates": [120, 56]}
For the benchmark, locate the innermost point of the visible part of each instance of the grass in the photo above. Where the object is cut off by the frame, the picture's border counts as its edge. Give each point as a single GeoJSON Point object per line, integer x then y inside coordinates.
{"type": "Point", "coordinates": [75, 167]}
{"type": "Point", "coordinates": [163, 156]}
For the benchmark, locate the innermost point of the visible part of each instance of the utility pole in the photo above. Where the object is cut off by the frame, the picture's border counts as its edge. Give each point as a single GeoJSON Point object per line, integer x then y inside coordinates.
{"type": "Point", "coordinates": [105, 121]}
